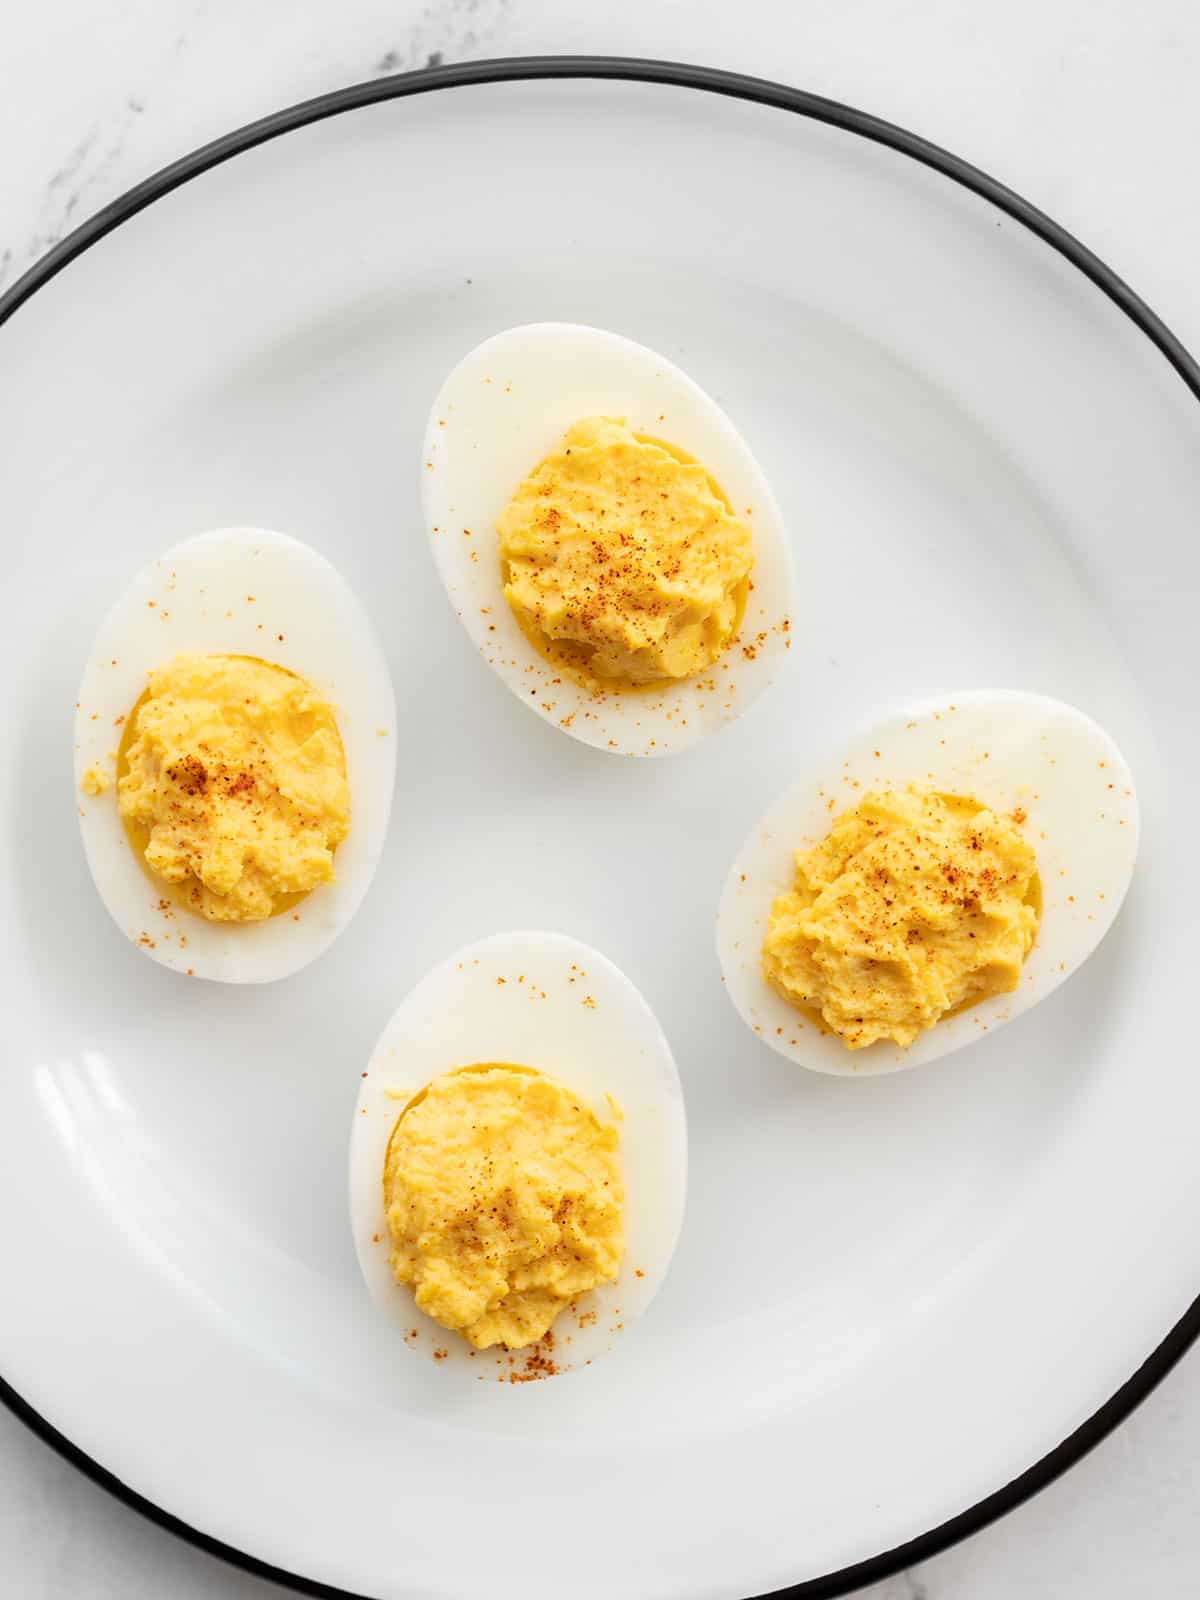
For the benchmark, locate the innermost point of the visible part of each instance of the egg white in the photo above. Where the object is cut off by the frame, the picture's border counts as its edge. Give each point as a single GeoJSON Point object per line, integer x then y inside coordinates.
{"type": "Point", "coordinates": [1009, 750]}
{"type": "Point", "coordinates": [238, 591]}
{"type": "Point", "coordinates": [500, 412]}
{"type": "Point", "coordinates": [544, 1001]}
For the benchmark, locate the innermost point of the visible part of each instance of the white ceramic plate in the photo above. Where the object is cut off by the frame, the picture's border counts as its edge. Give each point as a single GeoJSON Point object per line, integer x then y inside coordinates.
{"type": "Point", "coordinates": [892, 1298]}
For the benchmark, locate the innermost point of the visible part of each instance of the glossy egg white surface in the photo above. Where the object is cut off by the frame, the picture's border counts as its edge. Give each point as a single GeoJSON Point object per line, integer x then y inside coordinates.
{"type": "Point", "coordinates": [1015, 753]}
{"type": "Point", "coordinates": [237, 591]}
{"type": "Point", "coordinates": [503, 408]}
{"type": "Point", "coordinates": [545, 1001]}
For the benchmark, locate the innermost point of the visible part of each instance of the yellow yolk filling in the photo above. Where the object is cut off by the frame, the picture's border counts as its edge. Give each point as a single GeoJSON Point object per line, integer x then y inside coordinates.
{"type": "Point", "coordinates": [504, 1202]}
{"type": "Point", "coordinates": [232, 786]}
{"type": "Point", "coordinates": [622, 559]}
{"type": "Point", "coordinates": [916, 904]}
{"type": "Point", "coordinates": [95, 781]}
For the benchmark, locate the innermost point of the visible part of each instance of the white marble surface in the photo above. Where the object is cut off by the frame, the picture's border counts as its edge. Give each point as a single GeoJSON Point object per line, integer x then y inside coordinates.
{"type": "Point", "coordinates": [1088, 107]}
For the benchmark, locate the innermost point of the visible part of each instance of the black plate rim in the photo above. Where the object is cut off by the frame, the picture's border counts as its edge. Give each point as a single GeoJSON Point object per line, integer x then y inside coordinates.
{"type": "Point", "coordinates": [817, 108]}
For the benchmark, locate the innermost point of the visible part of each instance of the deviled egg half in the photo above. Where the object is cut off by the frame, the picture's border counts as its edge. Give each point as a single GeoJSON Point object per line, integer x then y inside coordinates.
{"type": "Point", "coordinates": [606, 537]}
{"type": "Point", "coordinates": [937, 877]}
{"type": "Point", "coordinates": [235, 749]}
{"type": "Point", "coordinates": [518, 1160]}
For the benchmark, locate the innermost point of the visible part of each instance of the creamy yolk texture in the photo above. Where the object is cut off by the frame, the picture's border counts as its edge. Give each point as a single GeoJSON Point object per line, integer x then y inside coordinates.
{"type": "Point", "coordinates": [233, 785]}
{"type": "Point", "coordinates": [622, 558]}
{"type": "Point", "coordinates": [95, 781]}
{"type": "Point", "coordinates": [915, 905]}
{"type": "Point", "coordinates": [504, 1201]}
